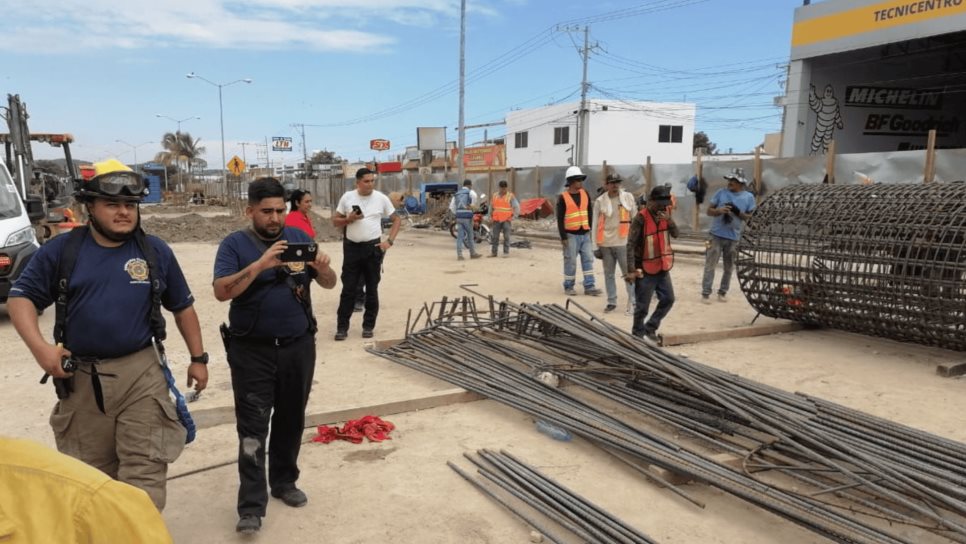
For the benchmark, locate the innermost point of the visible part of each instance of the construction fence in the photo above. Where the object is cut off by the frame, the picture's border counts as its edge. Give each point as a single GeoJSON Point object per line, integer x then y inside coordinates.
{"type": "Point", "coordinates": [767, 175]}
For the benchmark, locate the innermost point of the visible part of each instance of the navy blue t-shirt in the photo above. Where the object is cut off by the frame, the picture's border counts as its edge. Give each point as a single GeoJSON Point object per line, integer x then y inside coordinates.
{"type": "Point", "coordinates": [109, 295]}
{"type": "Point", "coordinates": [268, 308]}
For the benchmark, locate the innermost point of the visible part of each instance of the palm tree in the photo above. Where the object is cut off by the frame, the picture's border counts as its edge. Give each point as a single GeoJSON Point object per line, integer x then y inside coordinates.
{"type": "Point", "coordinates": [179, 148]}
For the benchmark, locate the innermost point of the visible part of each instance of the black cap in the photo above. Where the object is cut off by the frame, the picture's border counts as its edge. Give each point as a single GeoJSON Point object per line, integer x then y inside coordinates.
{"type": "Point", "coordinates": [467, 183]}
{"type": "Point", "coordinates": [661, 195]}
{"type": "Point", "coordinates": [360, 173]}
{"type": "Point", "coordinates": [502, 183]}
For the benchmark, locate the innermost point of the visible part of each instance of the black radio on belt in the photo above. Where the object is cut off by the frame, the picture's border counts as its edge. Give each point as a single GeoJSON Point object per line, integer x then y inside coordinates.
{"type": "Point", "coordinates": [67, 364]}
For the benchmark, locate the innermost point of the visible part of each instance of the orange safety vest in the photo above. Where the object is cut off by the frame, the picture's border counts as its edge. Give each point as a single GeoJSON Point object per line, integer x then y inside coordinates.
{"type": "Point", "coordinates": [502, 209]}
{"type": "Point", "coordinates": [576, 218]}
{"type": "Point", "coordinates": [657, 255]}
{"type": "Point", "coordinates": [622, 228]}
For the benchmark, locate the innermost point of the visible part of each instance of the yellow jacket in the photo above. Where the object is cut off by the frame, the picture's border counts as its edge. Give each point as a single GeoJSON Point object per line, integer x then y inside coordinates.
{"type": "Point", "coordinates": [46, 496]}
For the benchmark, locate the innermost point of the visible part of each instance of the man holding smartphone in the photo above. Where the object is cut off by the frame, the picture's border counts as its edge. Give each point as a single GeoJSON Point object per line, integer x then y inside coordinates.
{"type": "Point", "coordinates": [649, 259]}
{"type": "Point", "coordinates": [361, 212]}
{"type": "Point", "coordinates": [270, 342]}
{"type": "Point", "coordinates": [730, 207]}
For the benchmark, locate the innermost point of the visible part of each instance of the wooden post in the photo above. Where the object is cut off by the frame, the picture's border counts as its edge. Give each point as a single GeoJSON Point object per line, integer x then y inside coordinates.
{"type": "Point", "coordinates": [930, 172]}
{"type": "Point", "coordinates": [489, 179]}
{"type": "Point", "coordinates": [695, 214]}
{"type": "Point", "coordinates": [539, 189]}
{"type": "Point", "coordinates": [603, 173]}
{"type": "Point", "coordinates": [757, 174]}
{"type": "Point", "coordinates": [512, 174]}
{"type": "Point", "coordinates": [830, 163]}
{"type": "Point", "coordinates": [648, 176]}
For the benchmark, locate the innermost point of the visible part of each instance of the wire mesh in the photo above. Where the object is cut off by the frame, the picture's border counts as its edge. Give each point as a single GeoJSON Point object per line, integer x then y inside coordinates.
{"type": "Point", "coordinates": [882, 260]}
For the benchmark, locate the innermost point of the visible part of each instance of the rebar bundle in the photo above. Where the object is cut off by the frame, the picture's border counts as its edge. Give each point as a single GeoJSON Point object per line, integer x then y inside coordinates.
{"type": "Point", "coordinates": [549, 499]}
{"type": "Point", "coordinates": [883, 260]}
{"type": "Point", "coordinates": [833, 470]}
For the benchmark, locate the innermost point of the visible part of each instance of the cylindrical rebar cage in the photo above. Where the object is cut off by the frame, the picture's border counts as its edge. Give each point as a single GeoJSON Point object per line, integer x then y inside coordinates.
{"type": "Point", "coordinates": [884, 260]}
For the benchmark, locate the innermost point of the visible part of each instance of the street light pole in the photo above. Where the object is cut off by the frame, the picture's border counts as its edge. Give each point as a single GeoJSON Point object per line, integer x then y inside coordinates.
{"type": "Point", "coordinates": [179, 121]}
{"type": "Point", "coordinates": [135, 148]}
{"type": "Point", "coordinates": [221, 116]}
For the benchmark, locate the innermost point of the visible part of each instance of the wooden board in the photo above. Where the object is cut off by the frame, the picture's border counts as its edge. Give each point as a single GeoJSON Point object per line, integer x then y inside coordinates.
{"type": "Point", "coordinates": [226, 414]}
{"type": "Point", "coordinates": [727, 334]}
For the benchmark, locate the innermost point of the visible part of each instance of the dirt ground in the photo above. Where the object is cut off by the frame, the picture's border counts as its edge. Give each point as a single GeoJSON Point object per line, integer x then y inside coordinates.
{"type": "Point", "coordinates": [401, 491]}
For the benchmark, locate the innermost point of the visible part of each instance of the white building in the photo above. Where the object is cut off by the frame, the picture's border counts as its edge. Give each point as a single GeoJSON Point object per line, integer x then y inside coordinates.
{"type": "Point", "coordinates": [618, 131]}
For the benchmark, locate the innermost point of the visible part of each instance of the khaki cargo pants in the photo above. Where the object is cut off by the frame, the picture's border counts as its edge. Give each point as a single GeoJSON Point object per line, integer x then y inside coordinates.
{"type": "Point", "coordinates": [139, 433]}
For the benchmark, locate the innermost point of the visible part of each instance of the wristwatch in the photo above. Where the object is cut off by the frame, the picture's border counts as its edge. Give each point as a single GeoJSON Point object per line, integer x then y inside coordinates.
{"type": "Point", "coordinates": [203, 358]}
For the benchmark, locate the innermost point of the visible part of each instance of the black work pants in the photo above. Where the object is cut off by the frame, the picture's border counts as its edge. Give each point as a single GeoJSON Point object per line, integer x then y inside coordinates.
{"type": "Point", "coordinates": [360, 262]}
{"type": "Point", "coordinates": [271, 383]}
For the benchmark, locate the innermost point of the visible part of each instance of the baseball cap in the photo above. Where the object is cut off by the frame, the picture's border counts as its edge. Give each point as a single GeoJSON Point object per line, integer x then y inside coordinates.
{"type": "Point", "coordinates": [737, 174]}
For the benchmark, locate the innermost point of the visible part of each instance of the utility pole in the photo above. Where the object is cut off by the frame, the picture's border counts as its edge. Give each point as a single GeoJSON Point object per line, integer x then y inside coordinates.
{"type": "Point", "coordinates": [305, 153]}
{"type": "Point", "coordinates": [583, 116]}
{"type": "Point", "coordinates": [462, 127]}
{"type": "Point", "coordinates": [268, 157]}
{"type": "Point", "coordinates": [244, 156]}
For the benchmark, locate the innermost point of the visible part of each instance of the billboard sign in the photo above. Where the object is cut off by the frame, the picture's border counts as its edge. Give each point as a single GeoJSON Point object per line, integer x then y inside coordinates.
{"type": "Point", "coordinates": [281, 143]}
{"type": "Point", "coordinates": [379, 144]}
{"type": "Point", "coordinates": [430, 138]}
{"type": "Point", "coordinates": [482, 158]}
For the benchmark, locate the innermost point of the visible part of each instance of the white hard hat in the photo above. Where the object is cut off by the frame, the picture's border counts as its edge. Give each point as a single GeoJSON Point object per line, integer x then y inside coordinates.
{"type": "Point", "coordinates": [574, 173]}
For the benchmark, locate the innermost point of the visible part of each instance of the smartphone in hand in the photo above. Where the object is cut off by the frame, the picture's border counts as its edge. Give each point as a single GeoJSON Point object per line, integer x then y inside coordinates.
{"type": "Point", "coordinates": [299, 252]}
{"type": "Point", "coordinates": [356, 209]}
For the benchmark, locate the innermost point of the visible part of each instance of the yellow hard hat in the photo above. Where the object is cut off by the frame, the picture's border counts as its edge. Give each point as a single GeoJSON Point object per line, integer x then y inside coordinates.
{"type": "Point", "coordinates": [113, 179]}
{"type": "Point", "coordinates": [110, 166]}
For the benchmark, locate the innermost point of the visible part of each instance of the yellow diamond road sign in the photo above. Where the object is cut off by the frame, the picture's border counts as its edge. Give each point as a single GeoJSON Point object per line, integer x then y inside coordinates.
{"type": "Point", "coordinates": [236, 166]}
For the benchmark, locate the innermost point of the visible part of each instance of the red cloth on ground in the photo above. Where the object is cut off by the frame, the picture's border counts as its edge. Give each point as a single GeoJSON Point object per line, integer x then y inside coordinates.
{"type": "Point", "coordinates": [371, 427]}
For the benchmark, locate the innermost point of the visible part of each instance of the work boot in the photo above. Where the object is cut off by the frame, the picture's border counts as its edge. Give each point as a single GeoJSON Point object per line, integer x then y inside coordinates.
{"type": "Point", "coordinates": [341, 335]}
{"type": "Point", "coordinates": [475, 256]}
{"type": "Point", "coordinates": [722, 297]}
{"type": "Point", "coordinates": [593, 291]}
{"type": "Point", "coordinates": [291, 496]}
{"type": "Point", "coordinates": [367, 333]}
{"type": "Point", "coordinates": [651, 339]}
{"type": "Point", "coordinates": [248, 524]}
{"type": "Point", "coordinates": [610, 308]}
{"type": "Point", "coordinates": [570, 292]}
{"type": "Point", "coordinates": [705, 299]}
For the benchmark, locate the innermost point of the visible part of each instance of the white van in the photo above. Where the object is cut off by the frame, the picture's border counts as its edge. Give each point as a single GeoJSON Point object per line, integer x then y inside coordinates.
{"type": "Point", "coordinates": [18, 241]}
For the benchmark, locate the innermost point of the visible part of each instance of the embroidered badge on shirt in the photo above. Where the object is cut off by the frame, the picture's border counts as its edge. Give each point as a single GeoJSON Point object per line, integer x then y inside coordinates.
{"type": "Point", "coordinates": [137, 269]}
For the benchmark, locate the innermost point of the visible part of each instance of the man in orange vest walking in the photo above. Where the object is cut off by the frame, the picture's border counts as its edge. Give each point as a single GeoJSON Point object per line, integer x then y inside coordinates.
{"type": "Point", "coordinates": [650, 256]}
{"type": "Point", "coordinates": [503, 209]}
{"type": "Point", "coordinates": [613, 211]}
{"type": "Point", "coordinates": [574, 212]}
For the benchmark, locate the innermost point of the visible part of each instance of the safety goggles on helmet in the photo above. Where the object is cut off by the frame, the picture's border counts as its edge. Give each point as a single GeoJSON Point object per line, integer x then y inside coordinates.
{"type": "Point", "coordinates": [117, 184]}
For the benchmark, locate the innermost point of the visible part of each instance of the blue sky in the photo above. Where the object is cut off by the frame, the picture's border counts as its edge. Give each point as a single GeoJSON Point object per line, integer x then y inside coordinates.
{"type": "Point", "coordinates": [363, 69]}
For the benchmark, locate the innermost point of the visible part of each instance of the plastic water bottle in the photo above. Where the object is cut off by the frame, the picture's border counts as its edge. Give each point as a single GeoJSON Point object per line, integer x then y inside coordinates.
{"type": "Point", "coordinates": [553, 431]}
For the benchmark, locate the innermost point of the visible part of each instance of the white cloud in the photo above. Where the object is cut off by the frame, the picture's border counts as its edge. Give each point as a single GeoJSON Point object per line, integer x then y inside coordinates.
{"type": "Point", "coordinates": [50, 26]}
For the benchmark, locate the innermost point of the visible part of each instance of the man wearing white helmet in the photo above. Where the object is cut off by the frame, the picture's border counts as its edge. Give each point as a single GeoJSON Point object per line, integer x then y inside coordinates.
{"type": "Point", "coordinates": [574, 215]}
{"type": "Point", "coordinates": [109, 282]}
{"type": "Point", "coordinates": [730, 207]}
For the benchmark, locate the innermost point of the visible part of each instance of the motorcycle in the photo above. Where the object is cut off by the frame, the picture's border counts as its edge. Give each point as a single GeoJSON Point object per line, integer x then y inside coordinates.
{"type": "Point", "coordinates": [481, 232]}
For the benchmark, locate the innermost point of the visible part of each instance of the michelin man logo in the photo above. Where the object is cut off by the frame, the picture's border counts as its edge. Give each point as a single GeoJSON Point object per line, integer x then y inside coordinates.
{"type": "Point", "coordinates": [827, 118]}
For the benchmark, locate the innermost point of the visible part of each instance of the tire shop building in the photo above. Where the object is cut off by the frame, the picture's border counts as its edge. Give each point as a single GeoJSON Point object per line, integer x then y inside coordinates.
{"type": "Point", "coordinates": [876, 76]}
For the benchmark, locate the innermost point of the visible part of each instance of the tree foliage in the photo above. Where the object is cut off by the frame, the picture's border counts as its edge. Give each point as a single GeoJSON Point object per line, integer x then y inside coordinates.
{"type": "Point", "coordinates": [325, 157]}
{"type": "Point", "coordinates": [701, 140]}
{"type": "Point", "coordinates": [180, 150]}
